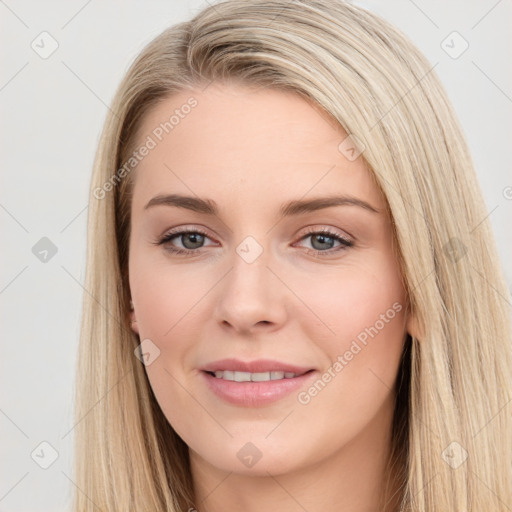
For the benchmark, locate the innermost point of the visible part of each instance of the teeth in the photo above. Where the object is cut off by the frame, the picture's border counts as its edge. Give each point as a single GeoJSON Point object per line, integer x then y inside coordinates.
{"type": "Point", "coordinates": [253, 377]}
{"type": "Point", "coordinates": [229, 375]}
{"type": "Point", "coordinates": [242, 377]}
{"type": "Point", "coordinates": [260, 377]}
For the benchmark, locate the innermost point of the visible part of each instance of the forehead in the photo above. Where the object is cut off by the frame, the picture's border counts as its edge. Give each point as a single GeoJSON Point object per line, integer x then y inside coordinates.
{"type": "Point", "coordinates": [246, 141]}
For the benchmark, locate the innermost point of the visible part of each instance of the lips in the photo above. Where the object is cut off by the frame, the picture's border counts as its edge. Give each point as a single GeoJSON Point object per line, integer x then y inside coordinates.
{"type": "Point", "coordinates": [257, 366]}
{"type": "Point", "coordinates": [254, 383]}
{"type": "Point", "coordinates": [254, 377]}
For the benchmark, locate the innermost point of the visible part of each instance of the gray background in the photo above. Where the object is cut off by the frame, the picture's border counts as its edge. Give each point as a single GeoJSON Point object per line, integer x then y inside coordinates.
{"type": "Point", "coordinates": [51, 113]}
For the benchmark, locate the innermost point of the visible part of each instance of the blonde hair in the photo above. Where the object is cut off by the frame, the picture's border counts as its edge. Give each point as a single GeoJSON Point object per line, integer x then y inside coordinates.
{"type": "Point", "coordinates": [455, 391]}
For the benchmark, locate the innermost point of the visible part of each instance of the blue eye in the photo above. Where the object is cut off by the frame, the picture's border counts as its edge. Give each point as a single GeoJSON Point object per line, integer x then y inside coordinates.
{"type": "Point", "coordinates": [192, 240]}
{"type": "Point", "coordinates": [197, 237]}
{"type": "Point", "coordinates": [325, 237]}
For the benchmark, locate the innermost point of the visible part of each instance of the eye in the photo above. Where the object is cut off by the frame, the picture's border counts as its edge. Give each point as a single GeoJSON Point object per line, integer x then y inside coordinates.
{"type": "Point", "coordinates": [191, 239]}
{"type": "Point", "coordinates": [323, 239]}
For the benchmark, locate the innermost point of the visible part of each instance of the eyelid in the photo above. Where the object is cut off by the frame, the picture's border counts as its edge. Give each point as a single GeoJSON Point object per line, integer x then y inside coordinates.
{"type": "Point", "coordinates": [318, 228]}
{"type": "Point", "coordinates": [345, 242]}
{"type": "Point", "coordinates": [181, 230]}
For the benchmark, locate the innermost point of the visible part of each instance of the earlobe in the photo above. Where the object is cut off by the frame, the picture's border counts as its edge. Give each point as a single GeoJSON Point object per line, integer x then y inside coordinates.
{"type": "Point", "coordinates": [135, 327]}
{"type": "Point", "coordinates": [133, 319]}
{"type": "Point", "coordinates": [413, 327]}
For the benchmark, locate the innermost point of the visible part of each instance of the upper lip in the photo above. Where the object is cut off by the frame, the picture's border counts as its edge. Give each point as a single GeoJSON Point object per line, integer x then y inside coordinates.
{"type": "Point", "coordinates": [256, 366]}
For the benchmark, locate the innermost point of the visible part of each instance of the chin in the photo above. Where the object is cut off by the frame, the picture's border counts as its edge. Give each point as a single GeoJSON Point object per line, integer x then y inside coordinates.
{"type": "Point", "coordinates": [254, 455]}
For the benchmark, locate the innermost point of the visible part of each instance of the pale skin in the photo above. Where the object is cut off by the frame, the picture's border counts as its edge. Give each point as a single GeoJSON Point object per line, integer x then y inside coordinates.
{"type": "Point", "coordinates": [251, 151]}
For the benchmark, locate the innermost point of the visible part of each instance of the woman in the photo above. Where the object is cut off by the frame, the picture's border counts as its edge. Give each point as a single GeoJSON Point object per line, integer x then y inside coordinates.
{"type": "Point", "coordinates": [293, 301]}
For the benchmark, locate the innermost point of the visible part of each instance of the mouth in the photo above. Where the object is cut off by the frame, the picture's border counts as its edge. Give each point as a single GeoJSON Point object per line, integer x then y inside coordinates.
{"type": "Point", "coordinates": [255, 383]}
{"type": "Point", "coordinates": [254, 377]}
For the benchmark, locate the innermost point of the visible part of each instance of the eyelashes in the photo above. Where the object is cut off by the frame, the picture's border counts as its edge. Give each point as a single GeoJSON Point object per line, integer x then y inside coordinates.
{"type": "Point", "coordinates": [319, 235]}
{"type": "Point", "coordinates": [166, 240]}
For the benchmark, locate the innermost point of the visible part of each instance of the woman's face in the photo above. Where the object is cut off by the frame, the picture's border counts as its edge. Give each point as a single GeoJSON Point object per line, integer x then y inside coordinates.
{"type": "Point", "coordinates": [260, 293]}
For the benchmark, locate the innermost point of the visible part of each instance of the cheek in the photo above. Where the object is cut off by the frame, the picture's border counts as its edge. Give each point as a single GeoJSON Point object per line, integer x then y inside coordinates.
{"type": "Point", "coordinates": [168, 305]}
{"type": "Point", "coordinates": [166, 296]}
{"type": "Point", "coordinates": [364, 309]}
{"type": "Point", "coordinates": [364, 305]}
{"type": "Point", "coordinates": [351, 297]}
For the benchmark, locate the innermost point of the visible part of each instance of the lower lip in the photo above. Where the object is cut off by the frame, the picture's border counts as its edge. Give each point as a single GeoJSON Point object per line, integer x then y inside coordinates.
{"type": "Point", "coordinates": [254, 394]}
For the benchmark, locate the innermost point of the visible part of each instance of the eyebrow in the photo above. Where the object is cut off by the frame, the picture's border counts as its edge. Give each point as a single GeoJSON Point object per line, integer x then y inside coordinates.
{"type": "Point", "coordinates": [295, 207]}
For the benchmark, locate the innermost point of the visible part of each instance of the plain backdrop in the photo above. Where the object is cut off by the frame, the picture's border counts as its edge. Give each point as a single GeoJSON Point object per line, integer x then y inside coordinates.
{"type": "Point", "coordinates": [51, 113]}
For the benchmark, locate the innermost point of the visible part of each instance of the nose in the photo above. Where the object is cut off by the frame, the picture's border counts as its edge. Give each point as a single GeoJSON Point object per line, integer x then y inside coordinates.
{"type": "Point", "coordinates": [251, 296]}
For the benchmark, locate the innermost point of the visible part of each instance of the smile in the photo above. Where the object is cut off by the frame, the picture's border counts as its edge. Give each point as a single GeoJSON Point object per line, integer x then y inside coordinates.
{"type": "Point", "coordinates": [254, 377]}
{"type": "Point", "coordinates": [254, 383]}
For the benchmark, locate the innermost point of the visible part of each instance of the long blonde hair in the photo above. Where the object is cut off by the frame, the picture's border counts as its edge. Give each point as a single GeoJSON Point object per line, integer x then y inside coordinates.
{"type": "Point", "coordinates": [452, 427]}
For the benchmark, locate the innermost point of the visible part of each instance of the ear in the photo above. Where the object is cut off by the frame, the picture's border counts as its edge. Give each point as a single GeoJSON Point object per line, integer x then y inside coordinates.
{"type": "Point", "coordinates": [133, 319]}
{"type": "Point", "coordinates": [413, 327]}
